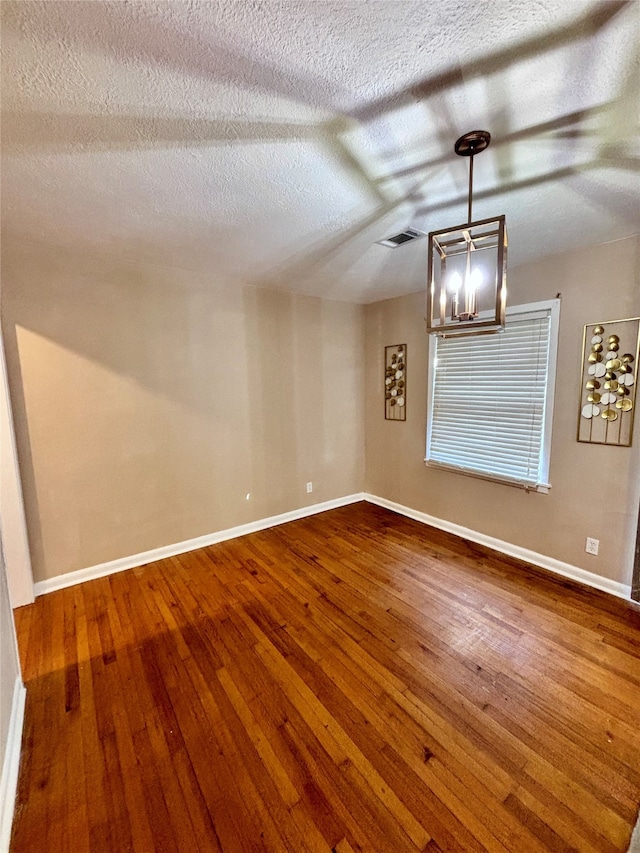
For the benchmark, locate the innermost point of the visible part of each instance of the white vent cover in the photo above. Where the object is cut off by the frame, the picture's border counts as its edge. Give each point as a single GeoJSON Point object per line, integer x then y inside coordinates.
{"type": "Point", "coordinates": [405, 236]}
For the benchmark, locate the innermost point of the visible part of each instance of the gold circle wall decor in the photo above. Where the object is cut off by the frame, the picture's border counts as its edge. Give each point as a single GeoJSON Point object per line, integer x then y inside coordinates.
{"type": "Point", "coordinates": [609, 354]}
{"type": "Point", "coordinates": [395, 378]}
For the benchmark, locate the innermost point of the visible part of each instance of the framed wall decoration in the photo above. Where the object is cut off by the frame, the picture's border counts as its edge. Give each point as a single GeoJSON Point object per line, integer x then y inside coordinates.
{"type": "Point", "coordinates": [608, 382]}
{"type": "Point", "coordinates": [395, 382]}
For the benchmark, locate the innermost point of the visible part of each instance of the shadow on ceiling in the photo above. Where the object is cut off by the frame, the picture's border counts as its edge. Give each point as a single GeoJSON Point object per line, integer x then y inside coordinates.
{"type": "Point", "coordinates": [148, 40]}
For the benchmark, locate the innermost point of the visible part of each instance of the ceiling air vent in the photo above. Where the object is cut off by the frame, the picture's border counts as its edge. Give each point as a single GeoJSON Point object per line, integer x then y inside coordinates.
{"type": "Point", "coordinates": [405, 236]}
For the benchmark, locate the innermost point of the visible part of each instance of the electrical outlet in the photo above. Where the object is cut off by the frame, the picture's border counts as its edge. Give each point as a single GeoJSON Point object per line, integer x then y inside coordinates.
{"type": "Point", "coordinates": [592, 546]}
{"type": "Point", "coordinates": [309, 488]}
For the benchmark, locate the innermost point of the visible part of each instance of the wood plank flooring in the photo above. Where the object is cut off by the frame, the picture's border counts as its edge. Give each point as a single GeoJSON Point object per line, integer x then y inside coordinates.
{"type": "Point", "coordinates": [353, 681]}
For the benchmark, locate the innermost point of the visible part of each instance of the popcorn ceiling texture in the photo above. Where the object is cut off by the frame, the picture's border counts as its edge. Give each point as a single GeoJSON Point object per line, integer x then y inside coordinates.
{"type": "Point", "coordinates": [272, 143]}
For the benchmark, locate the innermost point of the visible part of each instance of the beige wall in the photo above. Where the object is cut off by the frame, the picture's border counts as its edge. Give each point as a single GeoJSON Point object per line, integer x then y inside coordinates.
{"type": "Point", "coordinates": [149, 401]}
{"type": "Point", "coordinates": [595, 489]}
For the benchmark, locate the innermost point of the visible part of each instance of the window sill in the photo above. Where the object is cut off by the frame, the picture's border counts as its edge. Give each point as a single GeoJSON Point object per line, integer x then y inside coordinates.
{"type": "Point", "coordinates": [541, 488]}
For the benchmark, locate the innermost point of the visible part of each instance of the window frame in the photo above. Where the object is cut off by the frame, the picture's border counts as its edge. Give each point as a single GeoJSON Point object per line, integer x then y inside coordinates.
{"type": "Point", "coordinates": [552, 307]}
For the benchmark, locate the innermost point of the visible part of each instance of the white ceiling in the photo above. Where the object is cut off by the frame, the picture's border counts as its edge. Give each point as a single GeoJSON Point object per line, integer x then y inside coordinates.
{"type": "Point", "coordinates": [273, 143]}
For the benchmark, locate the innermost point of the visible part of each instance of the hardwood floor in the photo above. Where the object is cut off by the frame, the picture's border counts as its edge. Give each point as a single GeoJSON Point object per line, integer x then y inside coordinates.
{"type": "Point", "coordinates": [351, 681]}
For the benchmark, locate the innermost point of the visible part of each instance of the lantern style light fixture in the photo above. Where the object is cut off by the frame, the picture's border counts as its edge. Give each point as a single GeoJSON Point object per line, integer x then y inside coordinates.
{"type": "Point", "coordinates": [467, 278]}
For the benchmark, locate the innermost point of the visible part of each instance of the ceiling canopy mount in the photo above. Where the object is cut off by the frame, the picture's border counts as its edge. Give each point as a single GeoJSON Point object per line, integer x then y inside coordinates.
{"type": "Point", "coordinates": [472, 143]}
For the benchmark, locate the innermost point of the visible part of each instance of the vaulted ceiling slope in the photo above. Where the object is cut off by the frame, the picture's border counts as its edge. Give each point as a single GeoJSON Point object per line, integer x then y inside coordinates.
{"type": "Point", "coordinates": [272, 143]}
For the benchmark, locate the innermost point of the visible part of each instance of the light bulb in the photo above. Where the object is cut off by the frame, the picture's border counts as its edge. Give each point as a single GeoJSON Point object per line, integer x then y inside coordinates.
{"type": "Point", "coordinates": [455, 282]}
{"type": "Point", "coordinates": [475, 279]}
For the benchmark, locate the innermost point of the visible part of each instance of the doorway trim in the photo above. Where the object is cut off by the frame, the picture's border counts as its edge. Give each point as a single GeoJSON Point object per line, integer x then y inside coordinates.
{"type": "Point", "coordinates": [13, 523]}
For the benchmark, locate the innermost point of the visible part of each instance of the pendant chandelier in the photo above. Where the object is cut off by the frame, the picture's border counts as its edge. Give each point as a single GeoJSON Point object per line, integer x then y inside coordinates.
{"type": "Point", "coordinates": [467, 277]}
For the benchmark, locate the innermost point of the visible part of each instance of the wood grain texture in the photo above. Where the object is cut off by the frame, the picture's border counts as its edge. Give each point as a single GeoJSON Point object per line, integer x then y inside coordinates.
{"type": "Point", "coordinates": [349, 682]}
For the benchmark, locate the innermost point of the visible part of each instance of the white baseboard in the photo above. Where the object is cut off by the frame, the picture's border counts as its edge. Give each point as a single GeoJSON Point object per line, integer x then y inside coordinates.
{"type": "Point", "coordinates": [104, 569]}
{"type": "Point", "coordinates": [11, 765]}
{"type": "Point", "coordinates": [536, 559]}
{"type": "Point", "coordinates": [557, 566]}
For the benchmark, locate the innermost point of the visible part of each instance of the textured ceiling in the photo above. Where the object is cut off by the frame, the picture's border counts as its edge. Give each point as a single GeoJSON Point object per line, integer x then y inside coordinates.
{"type": "Point", "coordinates": [273, 143]}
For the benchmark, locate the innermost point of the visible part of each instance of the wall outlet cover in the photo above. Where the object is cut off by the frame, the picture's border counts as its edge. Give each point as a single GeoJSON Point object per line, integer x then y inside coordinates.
{"type": "Point", "coordinates": [592, 546]}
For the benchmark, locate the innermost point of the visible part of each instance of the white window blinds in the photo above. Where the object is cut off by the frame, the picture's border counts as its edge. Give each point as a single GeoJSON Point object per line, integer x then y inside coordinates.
{"type": "Point", "coordinates": [490, 401]}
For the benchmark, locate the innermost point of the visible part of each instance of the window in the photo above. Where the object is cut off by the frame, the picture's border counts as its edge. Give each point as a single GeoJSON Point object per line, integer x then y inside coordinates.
{"type": "Point", "coordinates": [491, 399]}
